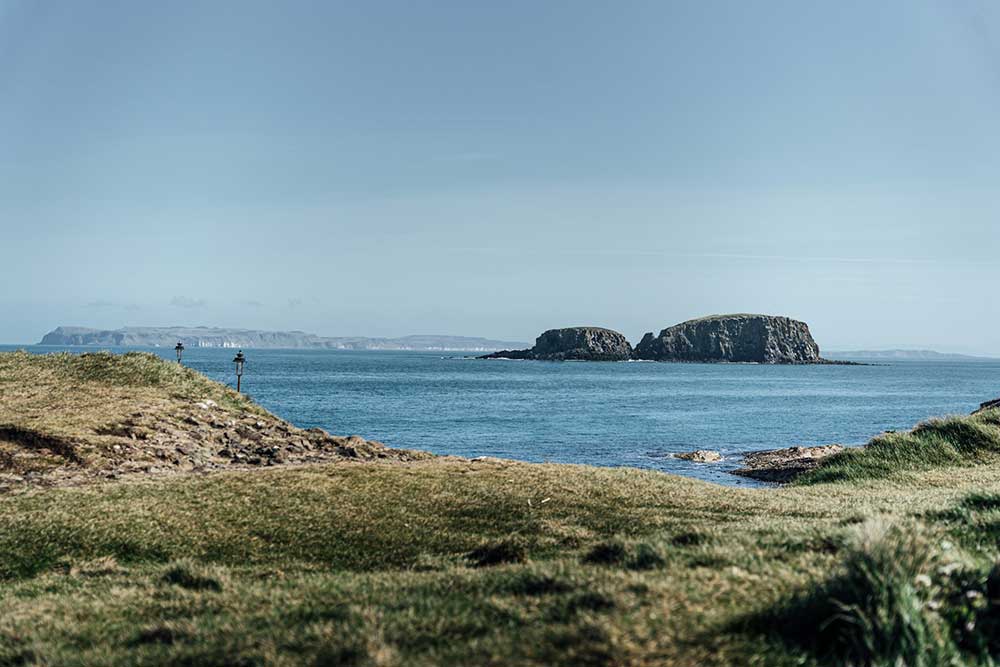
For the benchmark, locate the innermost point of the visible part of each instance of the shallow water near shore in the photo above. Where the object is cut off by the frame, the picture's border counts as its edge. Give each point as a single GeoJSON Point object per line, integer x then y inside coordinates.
{"type": "Point", "coordinates": [608, 414]}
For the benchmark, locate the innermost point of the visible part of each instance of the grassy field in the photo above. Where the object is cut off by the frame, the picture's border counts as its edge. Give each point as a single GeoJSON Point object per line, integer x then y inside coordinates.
{"type": "Point", "coordinates": [877, 559]}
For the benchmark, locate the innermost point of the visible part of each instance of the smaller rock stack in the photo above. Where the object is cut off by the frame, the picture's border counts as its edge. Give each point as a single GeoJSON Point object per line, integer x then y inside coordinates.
{"type": "Point", "coordinates": [573, 344]}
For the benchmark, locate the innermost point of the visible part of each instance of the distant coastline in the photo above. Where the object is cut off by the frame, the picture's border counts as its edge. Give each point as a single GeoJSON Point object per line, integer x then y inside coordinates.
{"type": "Point", "coordinates": [260, 339]}
{"type": "Point", "coordinates": [904, 355]}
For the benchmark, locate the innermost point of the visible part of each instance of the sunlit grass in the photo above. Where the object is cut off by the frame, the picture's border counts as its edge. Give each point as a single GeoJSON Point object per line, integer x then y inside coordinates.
{"type": "Point", "coordinates": [449, 562]}
{"type": "Point", "coordinates": [937, 443]}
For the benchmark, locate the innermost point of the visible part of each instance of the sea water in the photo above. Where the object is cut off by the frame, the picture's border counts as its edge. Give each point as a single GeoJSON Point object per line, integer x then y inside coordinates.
{"type": "Point", "coordinates": [608, 414]}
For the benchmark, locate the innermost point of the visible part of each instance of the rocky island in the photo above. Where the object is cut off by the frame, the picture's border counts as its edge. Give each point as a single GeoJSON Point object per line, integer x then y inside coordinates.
{"type": "Point", "coordinates": [573, 344]}
{"type": "Point", "coordinates": [763, 339]}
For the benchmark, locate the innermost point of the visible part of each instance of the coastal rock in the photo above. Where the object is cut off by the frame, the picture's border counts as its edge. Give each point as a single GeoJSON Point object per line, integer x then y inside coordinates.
{"type": "Point", "coordinates": [700, 456]}
{"type": "Point", "coordinates": [988, 405]}
{"type": "Point", "coordinates": [764, 339]}
{"type": "Point", "coordinates": [784, 465]}
{"type": "Point", "coordinates": [489, 459]}
{"type": "Point", "coordinates": [573, 343]}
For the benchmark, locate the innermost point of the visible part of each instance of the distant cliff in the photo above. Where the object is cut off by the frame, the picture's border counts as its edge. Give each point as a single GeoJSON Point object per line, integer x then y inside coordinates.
{"type": "Point", "coordinates": [762, 339]}
{"type": "Point", "coordinates": [905, 355]}
{"type": "Point", "coordinates": [252, 339]}
{"type": "Point", "coordinates": [573, 344]}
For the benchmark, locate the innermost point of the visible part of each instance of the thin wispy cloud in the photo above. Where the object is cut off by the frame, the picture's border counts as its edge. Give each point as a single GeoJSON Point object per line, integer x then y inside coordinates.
{"type": "Point", "coordinates": [101, 304]}
{"type": "Point", "coordinates": [602, 252]}
{"type": "Point", "coordinates": [468, 156]}
{"type": "Point", "coordinates": [187, 302]}
{"type": "Point", "coordinates": [834, 260]}
{"type": "Point", "coordinates": [104, 304]}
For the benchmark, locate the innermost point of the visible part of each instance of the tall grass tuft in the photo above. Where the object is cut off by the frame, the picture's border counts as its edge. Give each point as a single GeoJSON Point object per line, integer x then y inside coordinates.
{"type": "Point", "coordinates": [637, 556]}
{"type": "Point", "coordinates": [873, 612]}
{"type": "Point", "coordinates": [498, 552]}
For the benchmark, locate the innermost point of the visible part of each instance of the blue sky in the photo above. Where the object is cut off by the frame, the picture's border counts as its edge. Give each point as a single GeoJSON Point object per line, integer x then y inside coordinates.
{"type": "Point", "coordinates": [496, 169]}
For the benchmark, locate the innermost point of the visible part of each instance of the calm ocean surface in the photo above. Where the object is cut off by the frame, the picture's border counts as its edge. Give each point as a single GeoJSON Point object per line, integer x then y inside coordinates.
{"type": "Point", "coordinates": [610, 414]}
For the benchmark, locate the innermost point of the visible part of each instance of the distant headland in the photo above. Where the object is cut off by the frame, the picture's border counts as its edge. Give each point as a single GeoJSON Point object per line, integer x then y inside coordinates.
{"type": "Point", "coordinates": [906, 355]}
{"type": "Point", "coordinates": [255, 339]}
{"type": "Point", "coordinates": [742, 338]}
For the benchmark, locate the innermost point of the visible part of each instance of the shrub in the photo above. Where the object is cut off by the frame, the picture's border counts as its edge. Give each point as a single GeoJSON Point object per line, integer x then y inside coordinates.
{"type": "Point", "coordinates": [688, 539]}
{"type": "Point", "coordinates": [190, 576]}
{"type": "Point", "coordinates": [534, 584]}
{"type": "Point", "coordinates": [509, 550]}
{"type": "Point", "coordinates": [641, 556]}
{"type": "Point", "coordinates": [606, 553]}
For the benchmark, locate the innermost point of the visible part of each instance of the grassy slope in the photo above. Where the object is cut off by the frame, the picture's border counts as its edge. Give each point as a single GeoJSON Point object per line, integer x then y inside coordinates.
{"type": "Point", "coordinates": [74, 392]}
{"type": "Point", "coordinates": [937, 443]}
{"type": "Point", "coordinates": [369, 563]}
{"type": "Point", "coordinates": [72, 398]}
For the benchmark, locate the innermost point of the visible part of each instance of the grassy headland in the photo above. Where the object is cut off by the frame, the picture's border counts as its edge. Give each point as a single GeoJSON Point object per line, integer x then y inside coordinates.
{"type": "Point", "coordinates": [451, 562]}
{"type": "Point", "coordinates": [956, 441]}
{"type": "Point", "coordinates": [70, 419]}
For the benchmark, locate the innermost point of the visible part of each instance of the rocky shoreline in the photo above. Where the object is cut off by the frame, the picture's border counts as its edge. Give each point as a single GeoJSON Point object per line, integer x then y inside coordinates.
{"type": "Point", "coordinates": [784, 465]}
{"type": "Point", "coordinates": [779, 466]}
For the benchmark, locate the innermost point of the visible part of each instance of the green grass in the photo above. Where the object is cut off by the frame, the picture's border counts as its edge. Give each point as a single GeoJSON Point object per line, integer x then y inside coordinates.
{"type": "Point", "coordinates": [77, 398]}
{"type": "Point", "coordinates": [874, 609]}
{"type": "Point", "coordinates": [904, 596]}
{"type": "Point", "coordinates": [938, 443]}
{"type": "Point", "coordinates": [890, 560]}
{"type": "Point", "coordinates": [117, 376]}
{"type": "Point", "coordinates": [434, 563]}
{"type": "Point", "coordinates": [299, 560]}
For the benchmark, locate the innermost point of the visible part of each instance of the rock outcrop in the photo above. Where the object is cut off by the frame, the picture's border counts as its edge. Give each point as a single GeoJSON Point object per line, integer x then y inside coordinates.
{"type": "Point", "coordinates": [764, 339]}
{"type": "Point", "coordinates": [784, 465]}
{"type": "Point", "coordinates": [573, 344]}
{"type": "Point", "coordinates": [988, 405]}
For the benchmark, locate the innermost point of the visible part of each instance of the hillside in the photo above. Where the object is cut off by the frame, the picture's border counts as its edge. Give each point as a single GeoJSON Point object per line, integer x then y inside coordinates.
{"type": "Point", "coordinates": [255, 339]}
{"type": "Point", "coordinates": [885, 559]}
{"type": "Point", "coordinates": [66, 419]}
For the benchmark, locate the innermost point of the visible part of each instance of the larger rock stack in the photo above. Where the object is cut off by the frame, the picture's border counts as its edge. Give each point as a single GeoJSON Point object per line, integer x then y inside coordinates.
{"type": "Point", "coordinates": [764, 339]}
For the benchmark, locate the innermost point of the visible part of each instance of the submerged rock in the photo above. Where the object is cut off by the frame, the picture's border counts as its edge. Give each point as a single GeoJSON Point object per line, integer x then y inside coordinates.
{"type": "Point", "coordinates": [573, 343]}
{"type": "Point", "coordinates": [784, 465]}
{"type": "Point", "coordinates": [765, 339]}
